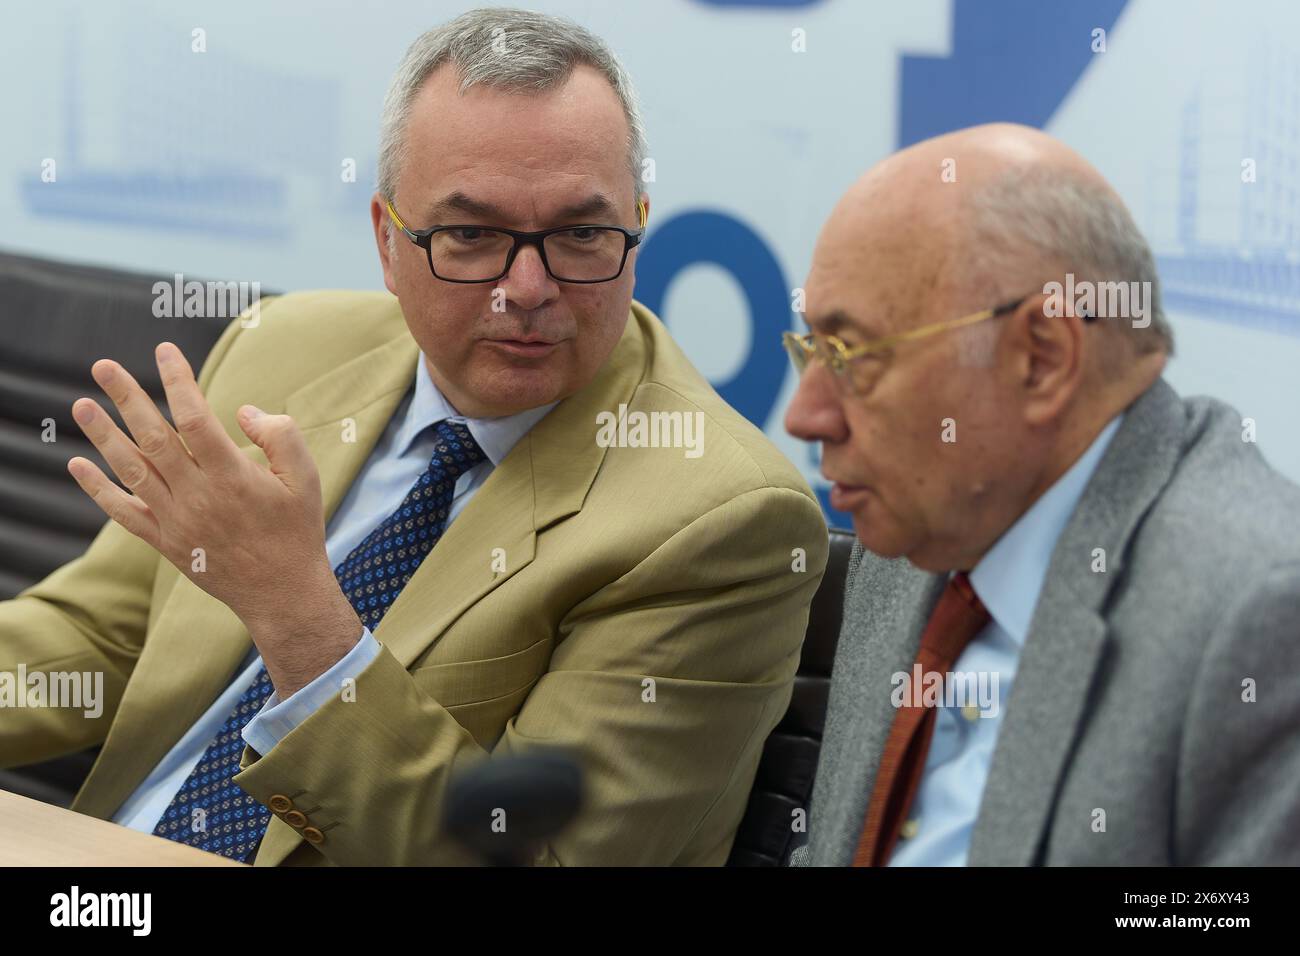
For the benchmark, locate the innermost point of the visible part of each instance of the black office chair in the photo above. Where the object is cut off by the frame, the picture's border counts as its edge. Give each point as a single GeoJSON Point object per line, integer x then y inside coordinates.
{"type": "Point", "coordinates": [784, 781]}
{"type": "Point", "coordinates": [55, 320]}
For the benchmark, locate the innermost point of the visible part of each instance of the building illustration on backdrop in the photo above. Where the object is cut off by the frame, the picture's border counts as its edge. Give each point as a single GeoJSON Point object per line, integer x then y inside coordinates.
{"type": "Point", "coordinates": [1236, 257]}
{"type": "Point", "coordinates": [210, 143]}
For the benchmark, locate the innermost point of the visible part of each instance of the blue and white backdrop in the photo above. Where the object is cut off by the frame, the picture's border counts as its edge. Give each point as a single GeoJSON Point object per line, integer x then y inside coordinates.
{"type": "Point", "coordinates": [229, 165]}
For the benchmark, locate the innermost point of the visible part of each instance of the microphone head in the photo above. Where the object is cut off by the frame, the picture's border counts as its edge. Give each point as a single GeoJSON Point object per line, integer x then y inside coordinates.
{"type": "Point", "coordinates": [505, 807]}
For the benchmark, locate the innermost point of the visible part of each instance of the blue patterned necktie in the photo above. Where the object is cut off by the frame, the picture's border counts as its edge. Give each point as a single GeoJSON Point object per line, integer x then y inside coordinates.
{"type": "Point", "coordinates": [210, 811]}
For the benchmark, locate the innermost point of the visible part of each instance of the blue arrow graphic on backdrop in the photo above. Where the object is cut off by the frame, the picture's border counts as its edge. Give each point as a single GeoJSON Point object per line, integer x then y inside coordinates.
{"type": "Point", "coordinates": [1012, 60]}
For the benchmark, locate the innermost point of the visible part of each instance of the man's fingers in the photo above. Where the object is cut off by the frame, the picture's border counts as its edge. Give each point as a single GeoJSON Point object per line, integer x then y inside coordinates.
{"type": "Point", "coordinates": [280, 439]}
{"type": "Point", "coordinates": [198, 426]}
{"type": "Point", "coordinates": [153, 436]}
{"type": "Point", "coordinates": [128, 511]}
{"type": "Point", "coordinates": [131, 467]}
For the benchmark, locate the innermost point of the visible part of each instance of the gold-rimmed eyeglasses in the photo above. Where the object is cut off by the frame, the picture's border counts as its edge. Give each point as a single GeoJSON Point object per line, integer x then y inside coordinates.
{"type": "Point", "coordinates": [844, 360]}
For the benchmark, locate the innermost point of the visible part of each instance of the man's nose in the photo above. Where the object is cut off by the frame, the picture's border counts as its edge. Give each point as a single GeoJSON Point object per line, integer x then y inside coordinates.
{"type": "Point", "coordinates": [526, 284]}
{"type": "Point", "coordinates": [815, 412]}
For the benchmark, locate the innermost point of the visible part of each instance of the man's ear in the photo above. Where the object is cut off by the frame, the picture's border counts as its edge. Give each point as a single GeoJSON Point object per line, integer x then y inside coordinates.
{"type": "Point", "coordinates": [382, 227]}
{"type": "Point", "coordinates": [1048, 359]}
{"type": "Point", "coordinates": [643, 209]}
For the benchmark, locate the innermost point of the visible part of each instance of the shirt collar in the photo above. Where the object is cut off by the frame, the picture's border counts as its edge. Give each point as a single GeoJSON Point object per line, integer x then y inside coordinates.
{"type": "Point", "coordinates": [496, 436]}
{"type": "Point", "coordinates": [1009, 578]}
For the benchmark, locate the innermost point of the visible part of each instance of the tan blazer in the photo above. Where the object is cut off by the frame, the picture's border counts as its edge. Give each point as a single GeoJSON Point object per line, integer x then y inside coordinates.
{"type": "Point", "coordinates": [621, 564]}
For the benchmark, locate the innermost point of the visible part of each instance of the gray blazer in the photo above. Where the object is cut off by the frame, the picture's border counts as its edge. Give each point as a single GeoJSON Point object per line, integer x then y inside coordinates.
{"type": "Point", "coordinates": [1129, 693]}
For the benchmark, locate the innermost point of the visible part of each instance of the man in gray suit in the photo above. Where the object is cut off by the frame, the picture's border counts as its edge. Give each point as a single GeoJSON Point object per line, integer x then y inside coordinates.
{"type": "Point", "coordinates": [1072, 619]}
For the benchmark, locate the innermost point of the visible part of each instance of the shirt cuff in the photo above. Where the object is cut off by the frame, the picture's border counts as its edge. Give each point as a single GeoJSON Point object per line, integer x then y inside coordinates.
{"type": "Point", "coordinates": [278, 718]}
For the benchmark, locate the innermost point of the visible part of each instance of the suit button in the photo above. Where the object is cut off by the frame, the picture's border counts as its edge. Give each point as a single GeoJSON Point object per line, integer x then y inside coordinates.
{"type": "Point", "coordinates": [312, 835]}
{"type": "Point", "coordinates": [295, 818]}
{"type": "Point", "coordinates": [280, 803]}
{"type": "Point", "coordinates": [910, 829]}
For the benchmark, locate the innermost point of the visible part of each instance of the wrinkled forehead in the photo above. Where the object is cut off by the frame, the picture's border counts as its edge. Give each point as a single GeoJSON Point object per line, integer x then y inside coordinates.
{"type": "Point", "coordinates": [879, 263]}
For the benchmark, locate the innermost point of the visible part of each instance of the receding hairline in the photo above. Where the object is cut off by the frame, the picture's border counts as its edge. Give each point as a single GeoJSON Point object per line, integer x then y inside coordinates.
{"type": "Point", "coordinates": [546, 52]}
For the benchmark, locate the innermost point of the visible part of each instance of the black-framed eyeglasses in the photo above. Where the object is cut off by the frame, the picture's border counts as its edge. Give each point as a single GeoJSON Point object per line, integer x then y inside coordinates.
{"type": "Point", "coordinates": [583, 254]}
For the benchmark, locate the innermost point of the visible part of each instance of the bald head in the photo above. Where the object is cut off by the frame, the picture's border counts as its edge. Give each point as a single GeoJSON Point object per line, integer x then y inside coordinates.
{"type": "Point", "coordinates": [983, 215]}
{"type": "Point", "coordinates": [937, 444]}
{"type": "Point", "coordinates": [981, 154]}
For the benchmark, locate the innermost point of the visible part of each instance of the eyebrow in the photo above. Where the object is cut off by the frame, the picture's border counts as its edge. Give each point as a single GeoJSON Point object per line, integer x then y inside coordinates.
{"type": "Point", "coordinates": [836, 321]}
{"type": "Point", "coordinates": [594, 205]}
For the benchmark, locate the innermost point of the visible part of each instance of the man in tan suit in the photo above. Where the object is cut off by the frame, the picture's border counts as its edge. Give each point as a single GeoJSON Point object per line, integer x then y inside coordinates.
{"type": "Point", "coordinates": [623, 564]}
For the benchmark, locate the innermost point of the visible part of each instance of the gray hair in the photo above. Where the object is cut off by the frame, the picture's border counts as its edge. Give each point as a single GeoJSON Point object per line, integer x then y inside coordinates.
{"type": "Point", "coordinates": [506, 49]}
{"type": "Point", "coordinates": [1032, 219]}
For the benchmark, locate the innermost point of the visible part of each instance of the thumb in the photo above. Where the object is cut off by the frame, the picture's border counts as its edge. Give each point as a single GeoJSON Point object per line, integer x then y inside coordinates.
{"type": "Point", "coordinates": [282, 443]}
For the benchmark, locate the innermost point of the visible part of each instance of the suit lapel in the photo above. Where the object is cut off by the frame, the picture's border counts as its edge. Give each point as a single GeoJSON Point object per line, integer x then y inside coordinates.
{"type": "Point", "coordinates": [544, 479]}
{"type": "Point", "coordinates": [881, 632]}
{"type": "Point", "coordinates": [1043, 713]}
{"type": "Point", "coordinates": [343, 413]}
{"type": "Point", "coordinates": [173, 684]}
{"type": "Point", "coordinates": [1047, 707]}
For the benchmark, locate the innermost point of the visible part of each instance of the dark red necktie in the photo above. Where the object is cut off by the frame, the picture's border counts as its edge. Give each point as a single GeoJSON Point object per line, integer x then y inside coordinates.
{"type": "Point", "coordinates": [955, 621]}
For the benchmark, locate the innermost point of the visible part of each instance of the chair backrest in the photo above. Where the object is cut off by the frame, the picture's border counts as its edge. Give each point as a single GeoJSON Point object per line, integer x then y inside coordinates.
{"type": "Point", "coordinates": [783, 783]}
{"type": "Point", "coordinates": [56, 319]}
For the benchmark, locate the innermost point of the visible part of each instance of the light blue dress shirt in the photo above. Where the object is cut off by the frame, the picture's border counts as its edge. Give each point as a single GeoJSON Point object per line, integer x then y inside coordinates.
{"type": "Point", "coordinates": [399, 458]}
{"type": "Point", "coordinates": [1008, 579]}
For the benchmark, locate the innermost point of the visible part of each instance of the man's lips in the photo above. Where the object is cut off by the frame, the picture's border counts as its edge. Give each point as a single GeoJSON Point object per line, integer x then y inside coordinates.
{"type": "Point", "coordinates": [847, 497]}
{"type": "Point", "coordinates": [528, 348]}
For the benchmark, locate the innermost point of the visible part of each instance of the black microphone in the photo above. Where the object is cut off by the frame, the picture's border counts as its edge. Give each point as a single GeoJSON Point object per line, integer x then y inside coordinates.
{"type": "Point", "coordinates": [504, 808]}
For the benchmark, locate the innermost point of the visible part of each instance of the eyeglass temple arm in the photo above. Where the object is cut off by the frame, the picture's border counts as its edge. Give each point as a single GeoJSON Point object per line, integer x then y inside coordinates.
{"type": "Point", "coordinates": [397, 220]}
{"type": "Point", "coordinates": [892, 340]}
{"type": "Point", "coordinates": [925, 330]}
